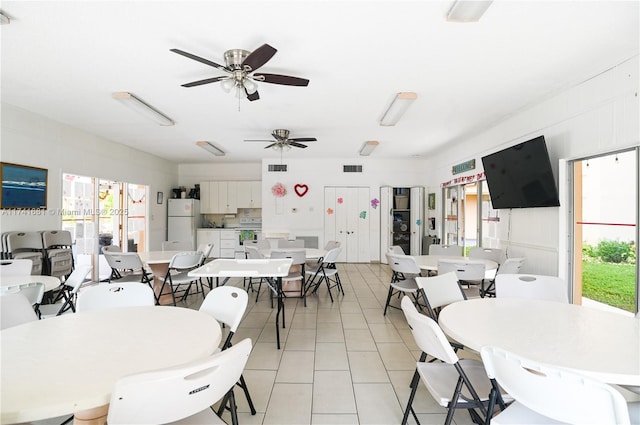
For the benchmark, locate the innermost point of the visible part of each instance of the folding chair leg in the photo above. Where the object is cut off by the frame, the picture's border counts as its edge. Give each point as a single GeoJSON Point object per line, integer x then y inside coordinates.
{"type": "Point", "coordinates": [414, 388]}
{"type": "Point", "coordinates": [242, 384]}
{"type": "Point", "coordinates": [388, 300]}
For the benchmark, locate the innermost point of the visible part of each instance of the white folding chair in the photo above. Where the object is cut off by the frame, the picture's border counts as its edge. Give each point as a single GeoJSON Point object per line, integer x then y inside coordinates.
{"type": "Point", "coordinates": [509, 266]}
{"type": "Point", "coordinates": [453, 383]}
{"type": "Point", "coordinates": [546, 394]}
{"type": "Point", "coordinates": [469, 272]}
{"type": "Point", "coordinates": [322, 271]}
{"type": "Point", "coordinates": [185, 392]}
{"type": "Point", "coordinates": [15, 309]}
{"type": "Point", "coordinates": [535, 287]}
{"type": "Point", "coordinates": [227, 305]}
{"type": "Point", "coordinates": [113, 295]}
{"type": "Point", "coordinates": [69, 293]}
{"type": "Point", "coordinates": [58, 246]}
{"type": "Point", "coordinates": [404, 270]}
{"type": "Point", "coordinates": [494, 254]}
{"type": "Point", "coordinates": [127, 267]}
{"type": "Point", "coordinates": [296, 271]}
{"type": "Point", "coordinates": [27, 245]}
{"type": "Point", "coordinates": [17, 267]}
{"type": "Point", "coordinates": [453, 250]}
{"type": "Point", "coordinates": [178, 274]}
{"type": "Point", "coordinates": [440, 291]}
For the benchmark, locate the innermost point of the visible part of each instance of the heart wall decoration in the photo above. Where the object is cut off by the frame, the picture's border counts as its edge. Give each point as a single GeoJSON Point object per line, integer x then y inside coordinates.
{"type": "Point", "coordinates": [301, 189]}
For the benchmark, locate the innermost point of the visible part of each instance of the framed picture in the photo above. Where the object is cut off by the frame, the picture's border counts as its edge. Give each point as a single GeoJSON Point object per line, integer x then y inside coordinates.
{"type": "Point", "coordinates": [432, 201]}
{"type": "Point", "coordinates": [23, 187]}
{"type": "Point", "coordinates": [159, 197]}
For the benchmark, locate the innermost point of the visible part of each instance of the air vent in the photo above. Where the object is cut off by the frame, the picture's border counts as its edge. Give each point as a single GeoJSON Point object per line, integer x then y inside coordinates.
{"type": "Point", "coordinates": [277, 167]}
{"type": "Point", "coordinates": [352, 168]}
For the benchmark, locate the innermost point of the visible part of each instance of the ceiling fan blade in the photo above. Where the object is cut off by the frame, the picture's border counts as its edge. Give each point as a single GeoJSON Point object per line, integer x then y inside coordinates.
{"type": "Point", "coordinates": [286, 80]}
{"type": "Point", "coordinates": [259, 57]}
{"type": "Point", "coordinates": [199, 59]}
{"type": "Point", "coordinates": [252, 96]}
{"type": "Point", "coordinates": [270, 146]}
{"type": "Point", "coordinates": [303, 139]}
{"type": "Point", "coordinates": [205, 81]}
{"type": "Point", "coordinates": [297, 145]}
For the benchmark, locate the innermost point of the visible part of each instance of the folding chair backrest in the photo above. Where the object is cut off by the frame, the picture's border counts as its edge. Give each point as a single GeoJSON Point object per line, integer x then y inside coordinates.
{"type": "Point", "coordinates": [511, 266]}
{"type": "Point", "coordinates": [16, 267]}
{"type": "Point", "coordinates": [205, 248]}
{"type": "Point", "coordinates": [554, 392]}
{"type": "Point", "coordinates": [252, 252]}
{"type": "Point", "coordinates": [21, 241]}
{"type": "Point", "coordinates": [186, 260]}
{"type": "Point", "coordinates": [441, 290]}
{"type": "Point", "coordinates": [77, 277]}
{"type": "Point", "coordinates": [464, 270]}
{"type": "Point", "coordinates": [57, 239]}
{"type": "Point", "coordinates": [330, 245]}
{"type": "Point", "coordinates": [535, 287]}
{"type": "Point", "coordinates": [494, 254]}
{"type": "Point", "coordinates": [427, 334]}
{"type": "Point", "coordinates": [226, 304]}
{"type": "Point", "coordinates": [402, 264]}
{"type": "Point", "coordinates": [113, 295]}
{"type": "Point", "coordinates": [175, 393]}
{"type": "Point", "coordinates": [396, 250]}
{"type": "Point", "coordinates": [297, 256]}
{"type": "Point", "coordinates": [15, 310]}
{"type": "Point", "coordinates": [455, 250]}
{"type": "Point", "coordinates": [123, 260]}
{"type": "Point", "coordinates": [332, 255]}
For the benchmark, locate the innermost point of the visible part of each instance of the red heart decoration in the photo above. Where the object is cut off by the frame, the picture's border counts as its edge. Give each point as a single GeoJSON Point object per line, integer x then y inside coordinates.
{"type": "Point", "coordinates": [301, 189]}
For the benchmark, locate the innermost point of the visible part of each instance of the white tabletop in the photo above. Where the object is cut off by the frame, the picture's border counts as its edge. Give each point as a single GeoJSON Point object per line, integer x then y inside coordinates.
{"type": "Point", "coordinates": [157, 257]}
{"type": "Point", "coordinates": [243, 268]}
{"type": "Point", "coordinates": [310, 253]}
{"type": "Point", "coordinates": [430, 262]}
{"type": "Point", "coordinates": [50, 282]}
{"type": "Point", "coordinates": [70, 363]}
{"type": "Point", "coordinates": [598, 343]}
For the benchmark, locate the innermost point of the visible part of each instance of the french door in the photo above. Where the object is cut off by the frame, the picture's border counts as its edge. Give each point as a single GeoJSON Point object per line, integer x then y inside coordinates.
{"type": "Point", "coordinates": [347, 221]}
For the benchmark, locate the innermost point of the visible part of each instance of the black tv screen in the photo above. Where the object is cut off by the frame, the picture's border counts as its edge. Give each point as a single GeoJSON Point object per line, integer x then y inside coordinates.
{"type": "Point", "coordinates": [521, 176]}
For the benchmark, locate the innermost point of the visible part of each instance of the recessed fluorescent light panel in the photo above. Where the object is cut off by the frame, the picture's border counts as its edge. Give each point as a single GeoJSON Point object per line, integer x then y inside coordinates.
{"type": "Point", "coordinates": [4, 19]}
{"type": "Point", "coordinates": [368, 147]}
{"type": "Point", "coordinates": [211, 148]}
{"type": "Point", "coordinates": [467, 10]}
{"type": "Point", "coordinates": [143, 108]}
{"type": "Point", "coordinates": [397, 108]}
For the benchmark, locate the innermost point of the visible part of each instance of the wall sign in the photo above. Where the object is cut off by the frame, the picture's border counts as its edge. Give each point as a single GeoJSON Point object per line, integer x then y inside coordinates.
{"type": "Point", "coordinates": [465, 166]}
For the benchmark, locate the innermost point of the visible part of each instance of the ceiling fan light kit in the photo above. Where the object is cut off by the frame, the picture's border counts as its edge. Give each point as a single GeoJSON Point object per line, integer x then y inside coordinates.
{"type": "Point", "coordinates": [397, 108]}
{"type": "Point", "coordinates": [140, 106]}
{"type": "Point", "coordinates": [368, 147]}
{"type": "Point", "coordinates": [467, 10]}
{"type": "Point", "coordinates": [211, 148]}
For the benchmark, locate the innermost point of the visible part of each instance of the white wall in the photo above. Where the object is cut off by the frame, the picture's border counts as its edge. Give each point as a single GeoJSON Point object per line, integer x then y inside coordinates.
{"type": "Point", "coordinates": [599, 115]}
{"type": "Point", "coordinates": [31, 139]}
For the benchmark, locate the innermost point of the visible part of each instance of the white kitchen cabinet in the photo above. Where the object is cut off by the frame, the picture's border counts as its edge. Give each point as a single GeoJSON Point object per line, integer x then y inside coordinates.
{"type": "Point", "coordinates": [205, 236]}
{"type": "Point", "coordinates": [249, 194]}
{"type": "Point", "coordinates": [228, 241]}
{"type": "Point", "coordinates": [218, 197]}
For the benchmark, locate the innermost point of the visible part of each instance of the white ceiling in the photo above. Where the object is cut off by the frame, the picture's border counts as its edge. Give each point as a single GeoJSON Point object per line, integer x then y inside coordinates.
{"type": "Point", "coordinates": [64, 59]}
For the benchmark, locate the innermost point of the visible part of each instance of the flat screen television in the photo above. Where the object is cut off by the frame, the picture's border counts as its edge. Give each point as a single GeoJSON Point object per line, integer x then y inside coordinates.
{"type": "Point", "coordinates": [521, 176]}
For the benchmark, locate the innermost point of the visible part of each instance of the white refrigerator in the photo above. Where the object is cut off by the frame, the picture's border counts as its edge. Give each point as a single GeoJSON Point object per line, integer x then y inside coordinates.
{"type": "Point", "coordinates": [183, 218]}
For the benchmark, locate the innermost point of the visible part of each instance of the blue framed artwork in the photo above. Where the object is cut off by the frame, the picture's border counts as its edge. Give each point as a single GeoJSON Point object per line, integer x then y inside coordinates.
{"type": "Point", "coordinates": [23, 187]}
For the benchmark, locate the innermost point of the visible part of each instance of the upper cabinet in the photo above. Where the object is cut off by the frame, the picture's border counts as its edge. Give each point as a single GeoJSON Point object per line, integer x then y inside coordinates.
{"type": "Point", "coordinates": [225, 197]}
{"type": "Point", "coordinates": [249, 194]}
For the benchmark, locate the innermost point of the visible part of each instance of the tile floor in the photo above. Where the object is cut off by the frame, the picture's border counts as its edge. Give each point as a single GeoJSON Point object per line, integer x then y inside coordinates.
{"type": "Point", "coordinates": [339, 363]}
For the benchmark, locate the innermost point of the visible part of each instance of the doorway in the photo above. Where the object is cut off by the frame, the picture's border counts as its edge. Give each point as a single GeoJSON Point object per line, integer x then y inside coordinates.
{"type": "Point", "coordinates": [605, 230]}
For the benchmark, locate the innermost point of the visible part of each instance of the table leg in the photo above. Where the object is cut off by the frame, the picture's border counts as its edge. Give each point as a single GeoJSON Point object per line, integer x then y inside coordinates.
{"type": "Point", "coordinates": [95, 416]}
{"type": "Point", "coordinates": [280, 303]}
{"type": "Point", "coordinates": [159, 272]}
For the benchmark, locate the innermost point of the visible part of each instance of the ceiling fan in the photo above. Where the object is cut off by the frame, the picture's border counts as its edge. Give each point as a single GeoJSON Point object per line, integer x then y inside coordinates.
{"type": "Point", "coordinates": [284, 142]}
{"type": "Point", "coordinates": [241, 66]}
